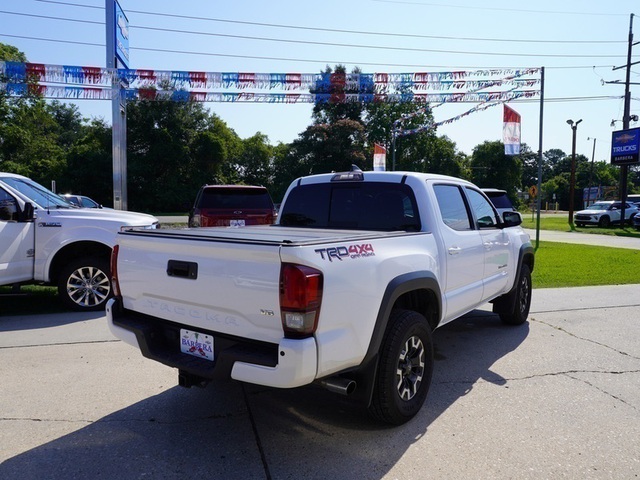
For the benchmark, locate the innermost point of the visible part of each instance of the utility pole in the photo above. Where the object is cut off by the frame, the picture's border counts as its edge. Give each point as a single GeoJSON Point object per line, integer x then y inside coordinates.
{"type": "Point", "coordinates": [572, 184]}
{"type": "Point", "coordinates": [625, 124]}
{"type": "Point", "coordinates": [624, 169]}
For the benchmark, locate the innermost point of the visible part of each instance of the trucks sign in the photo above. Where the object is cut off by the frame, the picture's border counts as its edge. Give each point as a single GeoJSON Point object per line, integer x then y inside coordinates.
{"type": "Point", "coordinates": [625, 147]}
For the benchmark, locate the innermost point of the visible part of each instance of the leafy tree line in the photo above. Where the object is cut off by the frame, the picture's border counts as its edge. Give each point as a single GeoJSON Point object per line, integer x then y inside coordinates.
{"type": "Point", "coordinates": [174, 148]}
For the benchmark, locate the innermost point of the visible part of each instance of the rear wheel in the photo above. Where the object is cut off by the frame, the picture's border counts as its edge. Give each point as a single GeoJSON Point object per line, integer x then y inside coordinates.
{"type": "Point", "coordinates": [84, 284]}
{"type": "Point", "coordinates": [405, 368]}
{"type": "Point", "coordinates": [522, 303]}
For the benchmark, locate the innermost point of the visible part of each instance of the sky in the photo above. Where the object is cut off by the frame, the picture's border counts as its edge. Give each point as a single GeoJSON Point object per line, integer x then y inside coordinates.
{"type": "Point", "coordinates": [578, 42]}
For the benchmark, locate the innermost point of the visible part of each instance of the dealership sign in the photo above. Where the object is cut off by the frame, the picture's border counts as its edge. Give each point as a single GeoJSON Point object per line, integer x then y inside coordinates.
{"type": "Point", "coordinates": [122, 36]}
{"type": "Point", "coordinates": [625, 147]}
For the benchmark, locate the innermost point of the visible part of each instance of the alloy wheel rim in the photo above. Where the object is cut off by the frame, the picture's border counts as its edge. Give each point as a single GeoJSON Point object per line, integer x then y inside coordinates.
{"type": "Point", "coordinates": [524, 294]}
{"type": "Point", "coordinates": [410, 368]}
{"type": "Point", "coordinates": [88, 286]}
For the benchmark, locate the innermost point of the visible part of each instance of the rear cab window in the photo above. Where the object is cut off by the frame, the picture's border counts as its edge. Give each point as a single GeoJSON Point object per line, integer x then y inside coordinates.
{"type": "Point", "coordinates": [379, 206]}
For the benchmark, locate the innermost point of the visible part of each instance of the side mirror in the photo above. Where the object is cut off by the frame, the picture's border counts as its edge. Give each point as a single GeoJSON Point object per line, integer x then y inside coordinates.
{"type": "Point", "coordinates": [511, 219]}
{"type": "Point", "coordinates": [27, 212]}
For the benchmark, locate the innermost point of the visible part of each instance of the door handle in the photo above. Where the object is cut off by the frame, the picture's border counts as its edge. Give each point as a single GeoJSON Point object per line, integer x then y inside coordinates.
{"type": "Point", "coordinates": [454, 250]}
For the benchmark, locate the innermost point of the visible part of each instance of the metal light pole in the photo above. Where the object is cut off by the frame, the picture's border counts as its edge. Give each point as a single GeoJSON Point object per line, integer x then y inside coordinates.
{"type": "Point", "coordinates": [593, 154]}
{"type": "Point", "coordinates": [572, 184]}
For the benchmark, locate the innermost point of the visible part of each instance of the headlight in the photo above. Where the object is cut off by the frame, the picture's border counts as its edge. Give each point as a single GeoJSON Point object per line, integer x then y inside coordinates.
{"type": "Point", "coordinates": [153, 226]}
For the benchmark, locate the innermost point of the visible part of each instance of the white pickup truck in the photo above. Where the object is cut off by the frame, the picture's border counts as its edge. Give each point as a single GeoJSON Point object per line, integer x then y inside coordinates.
{"type": "Point", "coordinates": [344, 291]}
{"type": "Point", "coordinates": [46, 240]}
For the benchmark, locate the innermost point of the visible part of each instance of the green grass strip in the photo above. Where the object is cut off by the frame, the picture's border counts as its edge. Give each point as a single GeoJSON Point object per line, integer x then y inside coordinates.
{"type": "Point", "coordinates": [572, 265]}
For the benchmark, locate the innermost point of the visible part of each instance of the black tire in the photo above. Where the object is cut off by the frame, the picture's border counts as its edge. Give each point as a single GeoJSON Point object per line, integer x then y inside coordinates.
{"type": "Point", "coordinates": [405, 368]}
{"type": "Point", "coordinates": [522, 303]}
{"type": "Point", "coordinates": [604, 221]}
{"type": "Point", "coordinates": [85, 284]}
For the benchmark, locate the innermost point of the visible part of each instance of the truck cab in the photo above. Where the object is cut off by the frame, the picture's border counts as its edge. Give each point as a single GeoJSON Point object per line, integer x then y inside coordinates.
{"type": "Point", "coordinates": [46, 240]}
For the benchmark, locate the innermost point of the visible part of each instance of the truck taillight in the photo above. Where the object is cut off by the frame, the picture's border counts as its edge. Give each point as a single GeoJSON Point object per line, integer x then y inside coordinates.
{"type": "Point", "coordinates": [300, 299]}
{"type": "Point", "coordinates": [114, 271]}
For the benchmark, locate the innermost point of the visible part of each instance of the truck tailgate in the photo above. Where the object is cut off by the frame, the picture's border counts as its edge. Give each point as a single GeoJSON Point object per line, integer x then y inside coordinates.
{"type": "Point", "coordinates": [223, 280]}
{"type": "Point", "coordinates": [231, 289]}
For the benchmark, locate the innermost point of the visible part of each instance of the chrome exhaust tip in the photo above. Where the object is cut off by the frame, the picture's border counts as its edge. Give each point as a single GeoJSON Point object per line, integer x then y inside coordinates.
{"type": "Point", "coordinates": [340, 385]}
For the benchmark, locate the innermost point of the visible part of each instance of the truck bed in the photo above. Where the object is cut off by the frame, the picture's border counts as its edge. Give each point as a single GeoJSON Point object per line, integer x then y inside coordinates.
{"type": "Point", "coordinates": [266, 235]}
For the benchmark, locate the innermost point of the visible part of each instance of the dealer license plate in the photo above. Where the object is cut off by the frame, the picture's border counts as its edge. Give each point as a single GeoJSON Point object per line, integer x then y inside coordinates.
{"type": "Point", "coordinates": [196, 344]}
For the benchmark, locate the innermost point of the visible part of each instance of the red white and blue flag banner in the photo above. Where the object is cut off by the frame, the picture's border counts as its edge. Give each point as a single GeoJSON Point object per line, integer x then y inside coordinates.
{"type": "Point", "coordinates": [69, 81]}
{"type": "Point", "coordinates": [379, 158]}
{"type": "Point", "coordinates": [511, 131]}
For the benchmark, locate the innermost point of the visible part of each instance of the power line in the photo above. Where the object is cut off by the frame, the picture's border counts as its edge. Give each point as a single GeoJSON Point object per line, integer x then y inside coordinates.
{"type": "Point", "coordinates": [332, 44]}
{"type": "Point", "coordinates": [284, 59]}
{"type": "Point", "coordinates": [49, 17]}
{"type": "Point", "coordinates": [335, 30]}
{"type": "Point", "coordinates": [516, 10]}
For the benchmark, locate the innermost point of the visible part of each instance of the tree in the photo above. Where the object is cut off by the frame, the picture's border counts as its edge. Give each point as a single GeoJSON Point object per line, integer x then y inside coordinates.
{"type": "Point", "coordinates": [554, 163]}
{"type": "Point", "coordinates": [255, 162]}
{"type": "Point", "coordinates": [173, 149]}
{"type": "Point", "coordinates": [491, 168]}
{"type": "Point", "coordinates": [285, 169]}
{"type": "Point", "coordinates": [9, 53]}
{"type": "Point", "coordinates": [558, 186]}
{"type": "Point", "coordinates": [34, 142]}
{"type": "Point", "coordinates": [530, 161]}
{"type": "Point", "coordinates": [89, 164]}
{"type": "Point", "coordinates": [329, 147]}
{"type": "Point", "coordinates": [334, 86]}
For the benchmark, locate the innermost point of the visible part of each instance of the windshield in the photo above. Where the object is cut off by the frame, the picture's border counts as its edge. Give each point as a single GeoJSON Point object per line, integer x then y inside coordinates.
{"type": "Point", "coordinates": [500, 200]}
{"type": "Point", "coordinates": [598, 206]}
{"type": "Point", "coordinates": [236, 198]}
{"type": "Point", "coordinates": [39, 195]}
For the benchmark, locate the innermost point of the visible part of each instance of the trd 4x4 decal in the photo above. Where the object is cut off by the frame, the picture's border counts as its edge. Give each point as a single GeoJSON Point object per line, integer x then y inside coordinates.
{"type": "Point", "coordinates": [350, 251]}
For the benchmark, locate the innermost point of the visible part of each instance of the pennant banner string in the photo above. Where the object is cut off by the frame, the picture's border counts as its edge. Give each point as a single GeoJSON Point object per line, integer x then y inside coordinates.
{"type": "Point", "coordinates": [377, 83]}
{"type": "Point", "coordinates": [97, 93]}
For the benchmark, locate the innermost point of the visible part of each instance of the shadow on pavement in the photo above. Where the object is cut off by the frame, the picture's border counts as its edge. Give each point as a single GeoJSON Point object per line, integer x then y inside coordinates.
{"type": "Point", "coordinates": [34, 322]}
{"type": "Point", "coordinates": [230, 430]}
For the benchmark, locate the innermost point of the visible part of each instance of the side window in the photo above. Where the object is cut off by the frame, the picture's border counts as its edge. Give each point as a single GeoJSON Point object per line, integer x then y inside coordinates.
{"type": "Point", "coordinates": [452, 207]}
{"type": "Point", "coordinates": [482, 209]}
{"type": "Point", "coordinates": [8, 207]}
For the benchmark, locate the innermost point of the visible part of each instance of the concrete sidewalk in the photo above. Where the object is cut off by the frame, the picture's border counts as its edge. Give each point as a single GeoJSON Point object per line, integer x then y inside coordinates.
{"type": "Point", "coordinates": [585, 239]}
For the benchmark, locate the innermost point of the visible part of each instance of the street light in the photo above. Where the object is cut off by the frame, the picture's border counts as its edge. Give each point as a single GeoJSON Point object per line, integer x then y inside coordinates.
{"type": "Point", "coordinates": [572, 186]}
{"type": "Point", "coordinates": [593, 154]}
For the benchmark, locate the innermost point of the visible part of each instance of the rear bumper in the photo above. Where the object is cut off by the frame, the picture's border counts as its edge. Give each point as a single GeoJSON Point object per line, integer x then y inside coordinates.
{"type": "Point", "coordinates": [291, 363]}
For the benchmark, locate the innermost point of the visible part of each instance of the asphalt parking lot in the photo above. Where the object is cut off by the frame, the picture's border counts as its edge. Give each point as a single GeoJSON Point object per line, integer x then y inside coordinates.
{"type": "Point", "coordinates": [554, 398]}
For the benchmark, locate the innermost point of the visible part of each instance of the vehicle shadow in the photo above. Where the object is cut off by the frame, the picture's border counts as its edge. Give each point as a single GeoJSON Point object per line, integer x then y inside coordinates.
{"type": "Point", "coordinates": [231, 430]}
{"type": "Point", "coordinates": [43, 301]}
{"type": "Point", "coordinates": [11, 323]}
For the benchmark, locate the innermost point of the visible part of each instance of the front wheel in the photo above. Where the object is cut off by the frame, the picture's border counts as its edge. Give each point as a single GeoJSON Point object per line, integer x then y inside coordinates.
{"type": "Point", "coordinates": [84, 284]}
{"type": "Point", "coordinates": [405, 368]}
{"type": "Point", "coordinates": [522, 303]}
{"type": "Point", "coordinates": [604, 221]}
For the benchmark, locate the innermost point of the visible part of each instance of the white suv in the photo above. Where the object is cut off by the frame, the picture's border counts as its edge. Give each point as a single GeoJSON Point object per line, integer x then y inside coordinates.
{"type": "Point", "coordinates": [604, 213]}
